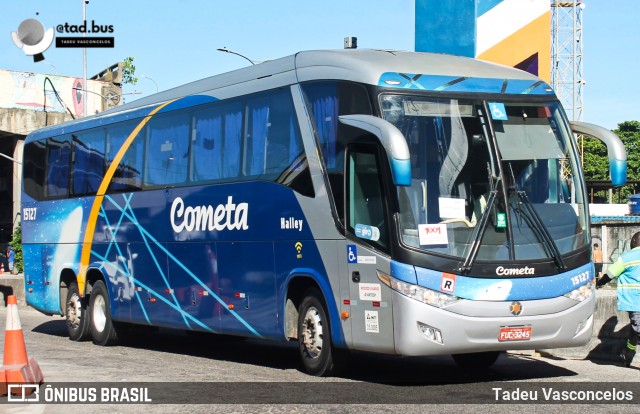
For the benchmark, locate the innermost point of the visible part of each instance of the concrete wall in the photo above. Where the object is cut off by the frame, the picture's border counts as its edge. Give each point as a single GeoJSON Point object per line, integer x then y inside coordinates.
{"type": "Point", "coordinates": [613, 236]}
{"type": "Point", "coordinates": [35, 91]}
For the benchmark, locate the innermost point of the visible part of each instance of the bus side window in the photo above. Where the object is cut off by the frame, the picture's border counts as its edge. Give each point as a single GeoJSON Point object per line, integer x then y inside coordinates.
{"type": "Point", "coordinates": [34, 169]}
{"type": "Point", "coordinates": [216, 142]}
{"type": "Point", "coordinates": [128, 174]}
{"type": "Point", "coordinates": [326, 100]}
{"type": "Point", "coordinates": [167, 154]}
{"type": "Point", "coordinates": [57, 169]}
{"type": "Point", "coordinates": [88, 162]}
{"type": "Point", "coordinates": [273, 141]}
{"type": "Point", "coordinates": [365, 194]}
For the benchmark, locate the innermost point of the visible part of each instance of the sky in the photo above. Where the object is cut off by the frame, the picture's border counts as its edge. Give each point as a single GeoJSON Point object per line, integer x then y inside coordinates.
{"type": "Point", "coordinates": [175, 42]}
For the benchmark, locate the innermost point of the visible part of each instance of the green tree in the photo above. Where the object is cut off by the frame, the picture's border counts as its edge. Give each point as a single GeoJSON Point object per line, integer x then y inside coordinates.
{"type": "Point", "coordinates": [16, 244]}
{"type": "Point", "coordinates": [596, 161]}
{"type": "Point", "coordinates": [129, 71]}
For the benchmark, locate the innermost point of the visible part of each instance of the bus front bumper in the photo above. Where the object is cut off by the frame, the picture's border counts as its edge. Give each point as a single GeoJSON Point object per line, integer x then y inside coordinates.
{"type": "Point", "coordinates": [420, 329]}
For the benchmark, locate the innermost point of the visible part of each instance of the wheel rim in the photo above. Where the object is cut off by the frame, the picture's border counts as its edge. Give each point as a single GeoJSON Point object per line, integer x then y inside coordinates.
{"type": "Point", "coordinates": [312, 333]}
{"type": "Point", "coordinates": [74, 311]}
{"type": "Point", "coordinates": [99, 314]}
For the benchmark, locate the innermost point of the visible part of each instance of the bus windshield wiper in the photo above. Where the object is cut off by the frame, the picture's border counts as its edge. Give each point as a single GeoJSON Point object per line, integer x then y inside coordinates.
{"type": "Point", "coordinates": [544, 232]}
{"type": "Point", "coordinates": [481, 228]}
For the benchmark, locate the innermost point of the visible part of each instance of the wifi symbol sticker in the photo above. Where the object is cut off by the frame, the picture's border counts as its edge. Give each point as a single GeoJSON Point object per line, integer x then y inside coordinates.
{"type": "Point", "coordinates": [298, 246]}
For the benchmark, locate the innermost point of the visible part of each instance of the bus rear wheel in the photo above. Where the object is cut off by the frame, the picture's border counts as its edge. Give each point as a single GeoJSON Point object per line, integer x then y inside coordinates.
{"type": "Point", "coordinates": [77, 314]}
{"type": "Point", "coordinates": [317, 353]}
{"type": "Point", "coordinates": [103, 330]}
{"type": "Point", "coordinates": [476, 360]}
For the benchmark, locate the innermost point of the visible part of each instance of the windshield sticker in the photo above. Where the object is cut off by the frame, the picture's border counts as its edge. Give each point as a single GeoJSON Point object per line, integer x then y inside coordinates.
{"type": "Point", "coordinates": [433, 234]}
{"type": "Point", "coordinates": [367, 232]}
{"type": "Point", "coordinates": [451, 208]}
{"type": "Point", "coordinates": [498, 111]}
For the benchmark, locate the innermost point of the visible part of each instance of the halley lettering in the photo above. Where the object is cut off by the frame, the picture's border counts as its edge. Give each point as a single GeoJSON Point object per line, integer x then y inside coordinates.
{"type": "Point", "coordinates": [202, 218]}
{"type": "Point", "coordinates": [290, 223]}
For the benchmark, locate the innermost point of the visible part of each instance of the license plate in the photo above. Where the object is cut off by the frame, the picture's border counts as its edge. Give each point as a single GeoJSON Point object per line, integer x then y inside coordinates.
{"type": "Point", "coordinates": [514, 333]}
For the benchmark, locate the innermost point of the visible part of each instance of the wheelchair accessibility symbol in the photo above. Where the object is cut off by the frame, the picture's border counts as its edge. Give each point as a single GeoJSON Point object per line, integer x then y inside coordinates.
{"type": "Point", "coordinates": [498, 111]}
{"type": "Point", "coordinates": [352, 253]}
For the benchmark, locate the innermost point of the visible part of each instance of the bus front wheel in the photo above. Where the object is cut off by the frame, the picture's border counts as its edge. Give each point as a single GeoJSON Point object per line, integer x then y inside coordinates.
{"type": "Point", "coordinates": [476, 360]}
{"type": "Point", "coordinates": [77, 314]}
{"type": "Point", "coordinates": [103, 330]}
{"type": "Point", "coordinates": [318, 355]}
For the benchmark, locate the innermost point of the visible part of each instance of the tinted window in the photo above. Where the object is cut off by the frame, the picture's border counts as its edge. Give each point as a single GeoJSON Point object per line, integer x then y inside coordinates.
{"type": "Point", "coordinates": [325, 102]}
{"type": "Point", "coordinates": [33, 169]}
{"type": "Point", "coordinates": [167, 155]}
{"type": "Point", "coordinates": [128, 175]}
{"type": "Point", "coordinates": [57, 167]}
{"type": "Point", "coordinates": [272, 137]}
{"type": "Point", "coordinates": [366, 201]}
{"type": "Point", "coordinates": [217, 142]}
{"type": "Point", "coordinates": [88, 161]}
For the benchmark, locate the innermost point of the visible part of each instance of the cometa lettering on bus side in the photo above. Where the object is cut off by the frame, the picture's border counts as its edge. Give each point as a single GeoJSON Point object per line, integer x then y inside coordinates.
{"type": "Point", "coordinates": [502, 271]}
{"type": "Point", "coordinates": [202, 218]}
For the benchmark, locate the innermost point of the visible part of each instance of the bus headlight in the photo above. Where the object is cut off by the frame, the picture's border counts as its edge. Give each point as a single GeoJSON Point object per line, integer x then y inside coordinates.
{"type": "Point", "coordinates": [419, 293]}
{"type": "Point", "coordinates": [582, 293]}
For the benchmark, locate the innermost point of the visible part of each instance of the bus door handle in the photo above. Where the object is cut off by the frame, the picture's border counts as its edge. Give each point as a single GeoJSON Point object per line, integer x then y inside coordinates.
{"type": "Point", "coordinates": [355, 277]}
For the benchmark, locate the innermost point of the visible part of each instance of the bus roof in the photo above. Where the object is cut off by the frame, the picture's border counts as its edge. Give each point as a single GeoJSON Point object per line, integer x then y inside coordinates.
{"type": "Point", "coordinates": [361, 65]}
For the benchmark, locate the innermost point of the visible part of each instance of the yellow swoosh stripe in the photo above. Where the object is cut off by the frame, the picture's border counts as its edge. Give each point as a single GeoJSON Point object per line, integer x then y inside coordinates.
{"type": "Point", "coordinates": [85, 256]}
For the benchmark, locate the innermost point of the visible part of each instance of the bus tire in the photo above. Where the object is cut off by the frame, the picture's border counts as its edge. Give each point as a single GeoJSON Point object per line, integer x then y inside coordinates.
{"type": "Point", "coordinates": [317, 353]}
{"type": "Point", "coordinates": [77, 315]}
{"type": "Point", "coordinates": [476, 360]}
{"type": "Point", "coordinates": [103, 330]}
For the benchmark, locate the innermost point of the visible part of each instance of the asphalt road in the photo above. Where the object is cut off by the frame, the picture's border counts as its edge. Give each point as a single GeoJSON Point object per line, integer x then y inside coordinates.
{"type": "Point", "coordinates": [226, 375]}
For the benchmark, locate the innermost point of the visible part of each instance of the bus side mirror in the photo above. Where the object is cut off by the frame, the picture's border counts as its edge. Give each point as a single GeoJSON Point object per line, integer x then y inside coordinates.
{"type": "Point", "coordinates": [615, 149]}
{"type": "Point", "coordinates": [392, 140]}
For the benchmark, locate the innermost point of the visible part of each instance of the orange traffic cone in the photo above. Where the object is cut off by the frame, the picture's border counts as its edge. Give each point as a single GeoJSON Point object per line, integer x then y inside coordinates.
{"type": "Point", "coordinates": [1, 268]}
{"type": "Point", "coordinates": [17, 368]}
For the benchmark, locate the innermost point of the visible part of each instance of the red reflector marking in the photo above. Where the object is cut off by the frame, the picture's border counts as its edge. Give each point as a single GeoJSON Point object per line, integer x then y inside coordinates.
{"type": "Point", "coordinates": [30, 282]}
{"type": "Point", "coordinates": [347, 302]}
{"type": "Point", "coordinates": [376, 304]}
{"type": "Point", "coordinates": [169, 290]}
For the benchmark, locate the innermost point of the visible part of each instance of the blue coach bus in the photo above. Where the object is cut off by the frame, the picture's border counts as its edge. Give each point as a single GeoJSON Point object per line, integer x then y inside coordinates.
{"type": "Point", "coordinates": [393, 202]}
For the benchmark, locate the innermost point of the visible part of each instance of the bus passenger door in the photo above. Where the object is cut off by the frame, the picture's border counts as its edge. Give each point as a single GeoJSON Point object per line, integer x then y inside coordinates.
{"type": "Point", "coordinates": [367, 241]}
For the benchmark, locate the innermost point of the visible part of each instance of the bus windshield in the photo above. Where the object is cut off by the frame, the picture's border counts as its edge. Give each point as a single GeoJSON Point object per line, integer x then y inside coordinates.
{"type": "Point", "coordinates": [492, 180]}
